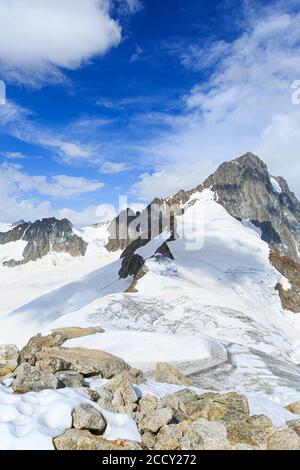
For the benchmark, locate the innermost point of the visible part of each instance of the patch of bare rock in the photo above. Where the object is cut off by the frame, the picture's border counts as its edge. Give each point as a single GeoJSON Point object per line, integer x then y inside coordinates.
{"type": "Point", "coordinates": [184, 420]}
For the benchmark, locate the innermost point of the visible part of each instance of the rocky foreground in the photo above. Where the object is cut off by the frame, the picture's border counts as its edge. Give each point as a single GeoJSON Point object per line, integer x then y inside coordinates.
{"type": "Point", "coordinates": [184, 420]}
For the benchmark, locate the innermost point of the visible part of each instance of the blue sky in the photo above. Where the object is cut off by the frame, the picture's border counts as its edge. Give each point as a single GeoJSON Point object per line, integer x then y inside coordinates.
{"type": "Point", "coordinates": [140, 98]}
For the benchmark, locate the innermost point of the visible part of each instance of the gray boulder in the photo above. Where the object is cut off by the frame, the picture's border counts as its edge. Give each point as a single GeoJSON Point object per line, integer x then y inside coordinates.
{"type": "Point", "coordinates": [124, 395]}
{"type": "Point", "coordinates": [86, 416]}
{"type": "Point", "coordinates": [166, 373]}
{"type": "Point", "coordinates": [88, 362]}
{"type": "Point", "coordinates": [199, 435]}
{"type": "Point", "coordinates": [284, 439]}
{"type": "Point", "coordinates": [70, 378]}
{"type": "Point", "coordinates": [30, 379]}
{"type": "Point", "coordinates": [75, 439]}
{"type": "Point", "coordinates": [8, 358]}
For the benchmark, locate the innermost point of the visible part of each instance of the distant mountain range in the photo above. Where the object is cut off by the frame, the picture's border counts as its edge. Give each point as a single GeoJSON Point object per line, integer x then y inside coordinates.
{"type": "Point", "coordinates": [244, 187]}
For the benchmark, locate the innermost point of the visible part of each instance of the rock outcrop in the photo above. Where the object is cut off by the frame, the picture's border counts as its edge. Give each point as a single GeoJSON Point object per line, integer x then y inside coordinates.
{"type": "Point", "coordinates": [294, 407]}
{"type": "Point", "coordinates": [42, 237]}
{"type": "Point", "coordinates": [74, 439]}
{"type": "Point", "coordinates": [166, 373]}
{"type": "Point", "coordinates": [30, 379]}
{"type": "Point", "coordinates": [44, 363]}
{"type": "Point", "coordinates": [248, 192]}
{"type": "Point", "coordinates": [184, 420]}
{"type": "Point", "coordinates": [88, 362]}
{"type": "Point", "coordinates": [86, 416]}
{"type": "Point", "coordinates": [8, 358]}
{"type": "Point", "coordinates": [290, 269]}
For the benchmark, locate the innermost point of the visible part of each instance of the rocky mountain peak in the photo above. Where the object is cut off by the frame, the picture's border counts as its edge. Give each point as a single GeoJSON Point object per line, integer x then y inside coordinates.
{"type": "Point", "coordinates": [42, 237]}
{"type": "Point", "coordinates": [248, 191]}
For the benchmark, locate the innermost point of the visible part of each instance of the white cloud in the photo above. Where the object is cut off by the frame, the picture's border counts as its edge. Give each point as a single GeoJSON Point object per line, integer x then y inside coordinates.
{"type": "Point", "coordinates": [136, 56]}
{"type": "Point", "coordinates": [13, 155]}
{"type": "Point", "coordinates": [89, 215]}
{"type": "Point", "coordinates": [16, 182]}
{"type": "Point", "coordinates": [245, 105]}
{"type": "Point", "coordinates": [22, 195]}
{"type": "Point", "coordinates": [41, 38]}
{"type": "Point", "coordinates": [21, 124]}
{"type": "Point", "coordinates": [111, 168]}
{"type": "Point", "coordinates": [127, 7]}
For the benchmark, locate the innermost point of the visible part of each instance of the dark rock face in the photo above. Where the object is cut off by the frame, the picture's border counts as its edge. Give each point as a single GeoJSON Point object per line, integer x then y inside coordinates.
{"type": "Point", "coordinates": [245, 188]}
{"type": "Point", "coordinates": [120, 231]}
{"type": "Point", "coordinates": [44, 236]}
{"type": "Point", "coordinates": [290, 269]}
{"type": "Point", "coordinates": [13, 235]}
{"type": "Point", "coordinates": [131, 266]}
{"type": "Point", "coordinates": [140, 227]}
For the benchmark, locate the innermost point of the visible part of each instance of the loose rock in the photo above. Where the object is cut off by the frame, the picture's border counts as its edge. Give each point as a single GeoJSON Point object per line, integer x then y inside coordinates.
{"type": "Point", "coordinates": [76, 332]}
{"type": "Point", "coordinates": [252, 430]}
{"type": "Point", "coordinates": [86, 416]}
{"type": "Point", "coordinates": [284, 439]}
{"type": "Point", "coordinates": [124, 395]}
{"type": "Point", "coordinates": [30, 379]}
{"type": "Point", "coordinates": [88, 362]}
{"type": "Point", "coordinates": [294, 408]}
{"type": "Point", "coordinates": [8, 358]}
{"type": "Point", "coordinates": [166, 373]}
{"type": "Point", "coordinates": [74, 439]}
{"type": "Point", "coordinates": [295, 425]}
{"type": "Point", "coordinates": [70, 379]}
{"type": "Point", "coordinates": [36, 344]}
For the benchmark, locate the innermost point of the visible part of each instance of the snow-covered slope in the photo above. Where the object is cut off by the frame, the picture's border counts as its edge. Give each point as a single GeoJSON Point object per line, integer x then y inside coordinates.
{"type": "Point", "coordinates": [5, 227]}
{"type": "Point", "coordinates": [32, 282]}
{"type": "Point", "coordinates": [218, 290]}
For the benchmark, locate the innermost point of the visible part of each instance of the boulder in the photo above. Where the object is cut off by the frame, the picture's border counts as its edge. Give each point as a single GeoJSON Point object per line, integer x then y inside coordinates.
{"type": "Point", "coordinates": [284, 439]}
{"type": "Point", "coordinates": [211, 406]}
{"type": "Point", "coordinates": [92, 394]}
{"type": "Point", "coordinates": [198, 435]}
{"type": "Point", "coordinates": [124, 395]}
{"type": "Point", "coordinates": [30, 379]}
{"type": "Point", "coordinates": [295, 425]}
{"type": "Point", "coordinates": [251, 430]}
{"type": "Point", "coordinates": [152, 414]}
{"type": "Point", "coordinates": [207, 435]}
{"type": "Point", "coordinates": [86, 416]}
{"type": "Point", "coordinates": [148, 440]}
{"type": "Point", "coordinates": [105, 398]}
{"type": "Point", "coordinates": [76, 332]}
{"type": "Point", "coordinates": [70, 378]}
{"type": "Point", "coordinates": [156, 420]}
{"type": "Point", "coordinates": [137, 376]}
{"type": "Point", "coordinates": [88, 362]}
{"type": "Point", "coordinates": [166, 373]}
{"type": "Point", "coordinates": [230, 406]}
{"type": "Point", "coordinates": [170, 437]}
{"type": "Point", "coordinates": [8, 358]}
{"type": "Point", "coordinates": [294, 407]}
{"type": "Point", "coordinates": [74, 439]}
{"type": "Point", "coordinates": [36, 344]}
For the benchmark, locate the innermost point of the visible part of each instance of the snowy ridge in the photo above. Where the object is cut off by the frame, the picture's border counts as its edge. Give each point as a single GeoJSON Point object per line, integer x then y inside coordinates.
{"type": "Point", "coordinates": [212, 310]}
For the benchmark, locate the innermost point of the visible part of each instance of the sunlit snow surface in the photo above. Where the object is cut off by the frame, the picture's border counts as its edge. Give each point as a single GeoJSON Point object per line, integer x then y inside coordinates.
{"type": "Point", "coordinates": [215, 305]}
{"type": "Point", "coordinates": [31, 421]}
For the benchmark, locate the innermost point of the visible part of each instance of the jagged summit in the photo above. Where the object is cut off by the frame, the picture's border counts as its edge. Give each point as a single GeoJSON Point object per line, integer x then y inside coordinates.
{"type": "Point", "coordinates": [42, 237]}
{"type": "Point", "coordinates": [248, 191]}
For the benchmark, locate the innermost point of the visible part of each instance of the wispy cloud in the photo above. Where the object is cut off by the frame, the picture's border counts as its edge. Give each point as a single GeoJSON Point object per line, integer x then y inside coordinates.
{"type": "Point", "coordinates": [137, 55]}
{"type": "Point", "coordinates": [17, 181]}
{"type": "Point", "coordinates": [244, 104]}
{"type": "Point", "coordinates": [112, 168]}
